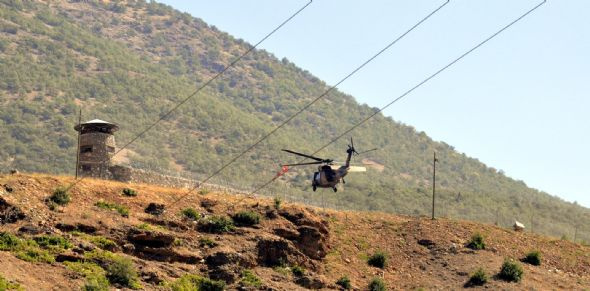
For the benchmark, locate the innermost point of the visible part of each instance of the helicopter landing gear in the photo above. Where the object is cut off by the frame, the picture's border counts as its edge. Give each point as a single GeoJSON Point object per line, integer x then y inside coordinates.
{"type": "Point", "coordinates": [343, 182]}
{"type": "Point", "coordinates": [335, 189]}
{"type": "Point", "coordinates": [314, 188]}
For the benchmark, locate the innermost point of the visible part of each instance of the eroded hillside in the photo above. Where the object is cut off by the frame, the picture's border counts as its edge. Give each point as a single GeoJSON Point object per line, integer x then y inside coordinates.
{"type": "Point", "coordinates": [47, 246]}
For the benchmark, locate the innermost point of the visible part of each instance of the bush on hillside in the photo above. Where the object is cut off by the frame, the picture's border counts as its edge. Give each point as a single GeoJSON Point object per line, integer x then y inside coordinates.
{"type": "Point", "coordinates": [191, 214]}
{"type": "Point", "coordinates": [246, 218]}
{"type": "Point", "coordinates": [344, 282]}
{"type": "Point", "coordinates": [216, 224]}
{"type": "Point", "coordinates": [379, 260]}
{"type": "Point", "coordinates": [510, 271]}
{"type": "Point", "coordinates": [377, 284]}
{"type": "Point", "coordinates": [533, 258]}
{"type": "Point", "coordinates": [60, 196]}
{"type": "Point", "coordinates": [129, 192]}
{"type": "Point", "coordinates": [479, 278]}
{"type": "Point", "coordinates": [476, 242]}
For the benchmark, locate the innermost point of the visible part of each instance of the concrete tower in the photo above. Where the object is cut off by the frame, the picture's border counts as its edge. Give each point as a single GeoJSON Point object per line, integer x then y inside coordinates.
{"type": "Point", "coordinates": [97, 147]}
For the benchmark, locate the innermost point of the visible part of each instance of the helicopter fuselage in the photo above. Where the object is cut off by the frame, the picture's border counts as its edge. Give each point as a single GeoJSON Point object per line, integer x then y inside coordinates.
{"type": "Point", "coordinates": [327, 177]}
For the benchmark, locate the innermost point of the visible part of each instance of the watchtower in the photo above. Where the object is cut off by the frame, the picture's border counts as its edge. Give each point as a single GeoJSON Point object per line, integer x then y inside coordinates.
{"type": "Point", "coordinates": [97, 147]}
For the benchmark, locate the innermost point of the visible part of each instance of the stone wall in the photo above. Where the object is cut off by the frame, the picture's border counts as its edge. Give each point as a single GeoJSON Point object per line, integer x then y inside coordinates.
{"type": "Point", "coordinates": [131, 175]}
{"type": "Point", "coordinates": [96, 162]}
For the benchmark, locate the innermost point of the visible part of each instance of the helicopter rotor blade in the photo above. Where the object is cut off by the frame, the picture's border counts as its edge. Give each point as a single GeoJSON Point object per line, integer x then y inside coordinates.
{"type": "Point", "coordinates": [304, 155]}
{"type": "Point", "coordinates": [364, 152]}
{"type": "Point", "coordinates": [303, 164]}
{"type": "Point", "coordinates": [354, 169]}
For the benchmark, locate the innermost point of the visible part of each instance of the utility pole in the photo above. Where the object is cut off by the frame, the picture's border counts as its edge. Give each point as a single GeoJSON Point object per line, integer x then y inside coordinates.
{"type": "Point", "coordinates": [433, 182]}
{"type": "Point", "coordinates": [78, 148]}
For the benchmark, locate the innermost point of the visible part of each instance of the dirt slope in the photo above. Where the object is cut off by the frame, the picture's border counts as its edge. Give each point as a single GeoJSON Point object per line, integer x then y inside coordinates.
{"type": "Point", "coordinates": [327, 244]}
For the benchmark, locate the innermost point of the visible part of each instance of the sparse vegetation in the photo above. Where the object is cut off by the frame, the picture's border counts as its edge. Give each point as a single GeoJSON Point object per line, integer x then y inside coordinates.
{"type": "Point", "coordinates": [250, 279]}
{"type": "Point", "coordinates": [207, 242]}
{"type": "Point", "coordinates": [190, 213]}
{"type": "Point", "coordinates": [95, 276]}
{"type": "Point", "coordinates": [51, 241]}
{"type": "Point", "coordinates": [510, 271]}
{"type": "Point", "coordinates": [379, 260]}
{"type": "Point", "coordinates": [277, 202]}
{"type": "Point", "coordinates": [478, 278]}
{"type": "Point", "coordinates": [119, 269]}
{"type": "Point", "coordinates": [298, 271]}
{"type": "Point", "coordinates": [60, 196]}
{"type": "Point", "coordinates": [129, 192]}
{"type": "Point", "coordinates": [533, 258]}
{"type": "Point", "coordinates": [122, 210]}
{"type": "Point", "coordinates": [6, 285]}
{"type": "Point", "coordinates": [344, 282]}
{"type": "Point", "coordinates": [246, 218]}
{"type": "Point", "coordinates": [377, 284]}
{"type": "Point", "coordinates": [10, 242]}
{"type": "Point", "coordinates": [35, 255]}
{"type": "Point", "coordinates": [204, 191]}
{"type": "Point", "coordinates": [476, 242]}
{"type": "Point", "coordinates": [189, 282]}
{"type": "Point", "coordinates": [216, 224]}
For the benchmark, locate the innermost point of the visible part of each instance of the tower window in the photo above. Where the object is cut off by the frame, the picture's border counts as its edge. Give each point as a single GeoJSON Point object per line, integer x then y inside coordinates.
{"type": "Point", "coordinates": [86, 149]}
{"type": "Point", "coordinates": [110, 149]}
{"type": "Point", "coordinates": [86, 168]}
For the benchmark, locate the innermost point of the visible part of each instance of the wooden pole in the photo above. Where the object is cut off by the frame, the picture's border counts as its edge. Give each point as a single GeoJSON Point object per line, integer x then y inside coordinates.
{"type": "Point", "coordinates": [433, 182]}
{"type": "Point", "coordinates": [78, 148]}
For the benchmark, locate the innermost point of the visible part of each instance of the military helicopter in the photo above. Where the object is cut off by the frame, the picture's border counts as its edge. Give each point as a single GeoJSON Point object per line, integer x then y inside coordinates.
{"type": "Point", "coordinates": [328, 174]}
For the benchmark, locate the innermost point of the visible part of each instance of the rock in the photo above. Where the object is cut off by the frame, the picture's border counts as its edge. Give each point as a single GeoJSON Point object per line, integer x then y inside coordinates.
{"type": "Point", "coordinates": [309, 282]}
{"type": "Point", "coordinates": [303, 218]}
{"type": "Point", "coordinates": [149, 238]}
{"type": "Point", "coordinates": [276, 251]}
{"type": "Point", "coordinates": [8, 188]}
{"type": "Point", "coordinates": [225, 273]}
{"type": "Point", "coordinates": [208, 204]}
{"type": "Point", "coordinates": [85, 228]}
{"type": "Point", "coordinates": [155, 209]}
{"type": "Point", "coordinates": [286, 233]}
{"type": "Point", "coordinates": [166, 255]}
{"type": "Point", "coordinates": [128, 248]}
{"type": "Point", "coordinates": [271, 214]}
{"type": "Point", "coordinates": [312, 242]}
{"type": "Point", "coordinates": [69, 257]}
{"type": "Point", "coordinates": [426, 243]}
{"type": "Point", "coordinates": [151, 277]}
{"type": "Point", "coordinates": [225, 257]}
{"type": "Point", "coordinates": [10, 213]}
{"type": "Point", "coordinates": [30, 229]}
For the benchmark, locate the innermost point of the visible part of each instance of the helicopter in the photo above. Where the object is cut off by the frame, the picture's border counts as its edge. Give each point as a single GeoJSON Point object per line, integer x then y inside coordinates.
{"type": "Point", "coordinates": [328, 174]}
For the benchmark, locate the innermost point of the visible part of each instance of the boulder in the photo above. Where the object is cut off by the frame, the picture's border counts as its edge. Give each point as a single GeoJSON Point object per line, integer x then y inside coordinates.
{"type": "Point", "coordinates": [274, 251]}
{"type": "Point", "coordinates": [69, 257]}
{"type": "Point", "coordinates": [151, 239]}
{"type": "Point", "coordinates": [310, 282]}
{"type": "Point", "coordinates": [228, 257]}
{"type": "Point", "coordinates": [312, 242]}
{"type": "Point", "coordinates": [30, 229]}
{"type": "Point", "coordinates": [81, 227]}
{"type": "Point", "coordinates": [155, 209]}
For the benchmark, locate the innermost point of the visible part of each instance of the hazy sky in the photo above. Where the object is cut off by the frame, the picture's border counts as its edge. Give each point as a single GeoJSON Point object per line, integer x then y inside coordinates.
{"type": "Point", "coordinates": [519, 104]}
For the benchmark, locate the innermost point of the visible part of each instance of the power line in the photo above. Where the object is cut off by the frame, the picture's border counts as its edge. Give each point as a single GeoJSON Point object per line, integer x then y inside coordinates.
{"type": "Point", "coordinates": [76, 181]}
{"type": "Point", "coordinates": [304, 108]}
{"type": "Point", "coordinates": [415, 87]}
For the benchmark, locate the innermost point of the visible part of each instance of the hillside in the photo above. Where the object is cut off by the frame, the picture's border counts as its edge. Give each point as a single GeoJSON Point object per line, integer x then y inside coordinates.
{"type": "Point", "coordinates": [128, 62]}
{"type": "Point", "coordinates": [78, 244]}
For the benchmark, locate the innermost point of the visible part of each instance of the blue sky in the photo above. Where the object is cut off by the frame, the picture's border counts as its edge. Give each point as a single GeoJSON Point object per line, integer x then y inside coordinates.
{"type": "Point", "coordinates": [519, 104]}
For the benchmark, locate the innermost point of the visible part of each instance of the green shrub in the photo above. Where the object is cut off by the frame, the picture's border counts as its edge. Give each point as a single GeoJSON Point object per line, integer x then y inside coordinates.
{"type": "Point", "coordinates": [10, 242]}
{"type": "Point", "coordinates": [95, 276]}
{"type": "Point", "coordinates": [191, 214]}
{"type": "Point", "coordinates": [207, 242]}
{"type": "Point", "coordinates": [35, 255]}
{"type": "Point", "coordinates": [122, 210]}
{"type": "Point", "coordinates": [204, 191]}
{"type": "Point", "coordinates": [246, 218]}
{"type": "Point", "coordinates": [510, 271]}
{"type": "Point", "coordinates": [6, 285]}
{"type": "Point", "coordinates": [377, 284]}
{"type": "Point", "coordinates": [250, 279]}
{"type": "Point", "coordinates": [190, 282]}
{"type": "Point", "coordinates": [476, 242]}
{"type": "Point", "coordinates": [479, 278]}
{"type": "Point", "coordinates": [298, 271]}
{"type": "Point", "coordinates": [103, 243]}
{"type": "Point", "coordinates": [50, 241]}
{"type": "Point", "coordinates": [216, 224]}
{"type": "Point", "coordinates": [277, 203]}
{"type": "Point", "coordinates": [60, 196]}
{"type": "Point", "coordinates": [129, 192]}
{"type": "Point", "coordinates": [533, 258]}
{"type": "Point", "coordinates": [119, 270]}
{"type": "Point", "coordinates": [379, 260]}
{"type": "Point", "coordinates": [344, 282]}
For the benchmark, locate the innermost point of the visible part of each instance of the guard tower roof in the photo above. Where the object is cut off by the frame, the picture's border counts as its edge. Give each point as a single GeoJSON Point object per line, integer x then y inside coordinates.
{"type": "Point", "coordinates": [97, 125]}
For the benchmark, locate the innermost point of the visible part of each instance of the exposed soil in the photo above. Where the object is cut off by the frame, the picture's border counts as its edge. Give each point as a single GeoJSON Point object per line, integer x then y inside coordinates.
{"type": "Point", "coordinates": [421, 253]}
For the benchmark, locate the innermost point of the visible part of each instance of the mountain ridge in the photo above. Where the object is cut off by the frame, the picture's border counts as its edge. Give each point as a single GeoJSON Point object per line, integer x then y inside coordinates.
{"type": "Point", "coordinates": [127, 62]}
